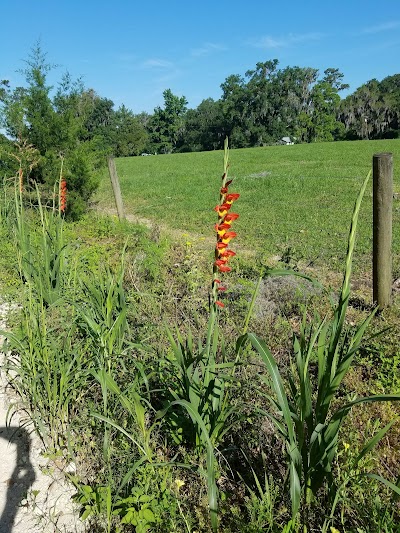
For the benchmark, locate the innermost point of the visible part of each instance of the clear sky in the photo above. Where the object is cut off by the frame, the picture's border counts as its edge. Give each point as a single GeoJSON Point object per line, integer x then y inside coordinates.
{"type": "Point", "coordinates": [131, 51]}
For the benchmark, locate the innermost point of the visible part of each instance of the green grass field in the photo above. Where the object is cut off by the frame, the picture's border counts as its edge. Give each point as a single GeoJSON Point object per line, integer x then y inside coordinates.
{"type": "Point", "coordinates": [297, 198]}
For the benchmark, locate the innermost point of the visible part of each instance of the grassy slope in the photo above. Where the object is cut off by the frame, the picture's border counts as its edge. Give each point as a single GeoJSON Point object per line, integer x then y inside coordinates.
{"type": "Point", "coordinates": [298, 197]}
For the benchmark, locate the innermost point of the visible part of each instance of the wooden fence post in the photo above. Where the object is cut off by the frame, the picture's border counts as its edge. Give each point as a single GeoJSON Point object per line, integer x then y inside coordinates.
{"type": "Point", "coordinates": [382, 165]}
{"type": "Point", "coordinates": [116, 188]}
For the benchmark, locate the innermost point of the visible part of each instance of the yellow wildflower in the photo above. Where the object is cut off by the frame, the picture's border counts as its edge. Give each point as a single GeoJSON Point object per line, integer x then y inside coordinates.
{"type": "Point", "coordinates": [179, 483]}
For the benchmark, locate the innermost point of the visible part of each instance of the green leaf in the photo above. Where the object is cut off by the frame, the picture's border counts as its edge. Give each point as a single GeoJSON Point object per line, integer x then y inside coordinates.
{"type": "Point", "coordinates": [277, 383]}
{"type": "Point", "coordinates": [148, 515]}
{"type": "Point", "coordinates": [295, 489]}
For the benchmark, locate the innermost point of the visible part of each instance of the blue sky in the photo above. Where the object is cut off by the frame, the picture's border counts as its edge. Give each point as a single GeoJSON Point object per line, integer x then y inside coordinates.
{"type": "Point", "coordinates": [132, 51]}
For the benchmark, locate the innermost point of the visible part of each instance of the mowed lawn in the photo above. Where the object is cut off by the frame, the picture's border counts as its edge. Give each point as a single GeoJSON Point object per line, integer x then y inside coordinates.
{"type": "Point", "coordinates": [296, 199]}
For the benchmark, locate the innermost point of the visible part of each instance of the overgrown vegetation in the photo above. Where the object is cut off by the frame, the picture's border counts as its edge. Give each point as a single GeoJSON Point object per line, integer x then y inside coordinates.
{"type": "Point", "coordinates": [177, 417]}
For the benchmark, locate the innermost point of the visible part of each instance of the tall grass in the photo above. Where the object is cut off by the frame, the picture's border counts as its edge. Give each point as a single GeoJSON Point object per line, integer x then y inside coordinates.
{"type": "Point", "coordinates": [47, 370]}
{"type": "Point", "coordinates": [41, 256]}
{"type": "Point", "coordinates": [103, 314]}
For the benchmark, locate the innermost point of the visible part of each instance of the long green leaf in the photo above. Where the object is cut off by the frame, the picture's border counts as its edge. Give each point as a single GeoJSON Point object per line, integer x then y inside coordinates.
{"type": "Point", "coordinates": [277, 382]}
{"type": "Point", "coordinates": [295, 489]}
{"type": "Point", "coordinates": [288, 414]}
{"type": "Point", "coordinates": [121, 429]}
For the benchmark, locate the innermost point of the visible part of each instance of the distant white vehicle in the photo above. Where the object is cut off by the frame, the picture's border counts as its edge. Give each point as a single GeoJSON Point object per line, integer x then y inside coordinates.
{"type": "Point", "coordinates": [145, 154]}
{"type": "Point", "coordinates": [286, 140]}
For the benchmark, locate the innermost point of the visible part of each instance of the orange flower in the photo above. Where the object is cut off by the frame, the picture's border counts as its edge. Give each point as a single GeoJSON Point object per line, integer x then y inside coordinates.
{"type": "Point", "coordinates": [227, 253]}
{"type": "Point", "coordinates": [221, 246]}
{"type": "Point", "coordinates": [220, 304]}
{"type": "Point", "coordinates": [230, 217]}
{"type": "Point", "coordinates": [224, 268]}
{"type": "Point", "coordinates": [227, 236]}
{"type": "Point", "coordinates": [220, 228]}
{"type": "Point", "coordinates": [222, 209]}
{"type": "Point", "coordinates": [221, 265]}
{"type": "Point", "coordinates": [230, 198]}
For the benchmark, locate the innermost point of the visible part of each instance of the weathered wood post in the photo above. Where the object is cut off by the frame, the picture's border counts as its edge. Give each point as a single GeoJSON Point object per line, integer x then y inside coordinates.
{"type": "Point", "coordinates": [382, 165]}
{"type": "Point", "coordinates": [116, 188]}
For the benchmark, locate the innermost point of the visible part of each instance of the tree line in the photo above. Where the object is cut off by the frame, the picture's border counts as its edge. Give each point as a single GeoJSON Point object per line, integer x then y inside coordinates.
{"type": "Point", "coordinates": [73, 127]}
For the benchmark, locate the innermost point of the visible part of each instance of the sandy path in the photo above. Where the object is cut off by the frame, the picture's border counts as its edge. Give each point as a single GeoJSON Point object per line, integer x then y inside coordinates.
{"type": "Point", "coordinates": [31, 501]}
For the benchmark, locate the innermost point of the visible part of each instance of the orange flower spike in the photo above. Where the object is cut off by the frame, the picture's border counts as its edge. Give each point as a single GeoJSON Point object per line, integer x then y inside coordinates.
{"type": "Point", "coordinates": [63, 195]}
{"type": "Point", "coordinates": [224, 235]}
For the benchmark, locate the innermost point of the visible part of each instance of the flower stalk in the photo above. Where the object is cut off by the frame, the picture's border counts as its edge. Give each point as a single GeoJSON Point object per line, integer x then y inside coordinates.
{"type": "Point", "coordinates": [62, 193]}
{"type": "Point", "coordinates": [224, 234]}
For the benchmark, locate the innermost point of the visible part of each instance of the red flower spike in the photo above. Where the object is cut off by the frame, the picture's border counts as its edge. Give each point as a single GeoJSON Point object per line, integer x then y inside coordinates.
{"type": "Point", "coordinates": [63, 195]}
{"type": "Point", "coordinates": [224, 235]}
